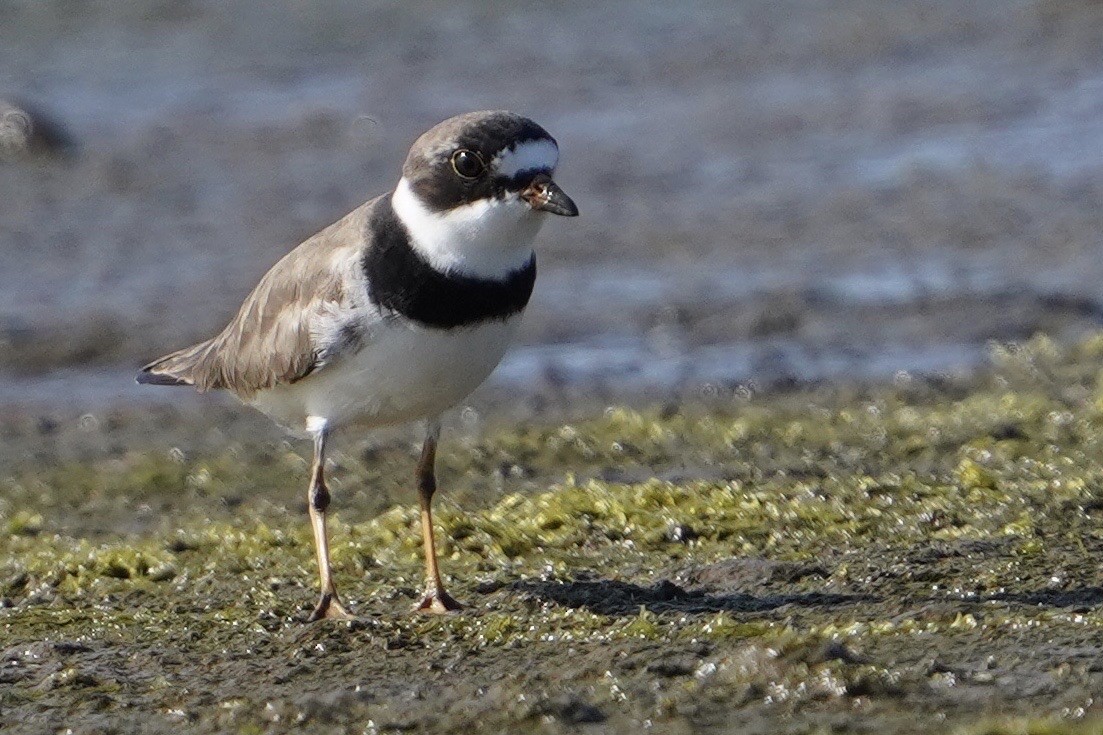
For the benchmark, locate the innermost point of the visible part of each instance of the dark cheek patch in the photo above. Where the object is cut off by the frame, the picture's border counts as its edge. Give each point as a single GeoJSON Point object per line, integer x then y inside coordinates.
{"type": "Point", "coordinates": [440, 188]}
{"type": "Point", "coordinates": [445, 190]}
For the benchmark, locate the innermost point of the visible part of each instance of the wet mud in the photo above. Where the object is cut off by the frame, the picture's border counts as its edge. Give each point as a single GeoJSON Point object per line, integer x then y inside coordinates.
{"type": "Point", "coordinates": [917, 557]}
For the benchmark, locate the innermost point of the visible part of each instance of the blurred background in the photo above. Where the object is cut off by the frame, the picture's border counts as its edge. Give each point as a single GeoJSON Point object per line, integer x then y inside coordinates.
{"type": "Point", "coordinates": [772, 191]}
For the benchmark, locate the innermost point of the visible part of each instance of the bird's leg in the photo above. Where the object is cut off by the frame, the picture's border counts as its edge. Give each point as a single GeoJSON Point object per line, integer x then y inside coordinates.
{"type": "Point", "coordinates": [435, 599]}
{"type": "Point", "coordinates": [329, 605]}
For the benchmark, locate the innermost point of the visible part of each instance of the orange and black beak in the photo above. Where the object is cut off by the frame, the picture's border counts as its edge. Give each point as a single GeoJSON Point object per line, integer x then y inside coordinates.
{"type": "Point", "coordinates": [544, 195]}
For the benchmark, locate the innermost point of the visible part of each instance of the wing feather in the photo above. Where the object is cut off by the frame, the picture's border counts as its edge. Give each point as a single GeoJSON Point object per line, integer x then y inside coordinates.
{"type": "Point", "coordinates": [288, 327]}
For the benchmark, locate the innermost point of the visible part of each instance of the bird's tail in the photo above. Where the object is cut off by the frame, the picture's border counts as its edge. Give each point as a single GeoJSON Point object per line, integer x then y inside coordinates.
{"type": "Point", "coordinates": [177, 368]}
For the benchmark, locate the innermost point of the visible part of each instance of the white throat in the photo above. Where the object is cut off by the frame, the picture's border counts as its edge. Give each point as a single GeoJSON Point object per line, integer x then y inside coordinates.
{"type": "Point", "coordinates": [486, 239]}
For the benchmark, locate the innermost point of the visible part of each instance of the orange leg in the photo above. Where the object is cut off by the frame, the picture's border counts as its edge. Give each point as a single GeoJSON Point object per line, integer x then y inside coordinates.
{"type": "Point", "coordinates": [329, 605]}
{"type": "Point", "coordinates": [435, 599]}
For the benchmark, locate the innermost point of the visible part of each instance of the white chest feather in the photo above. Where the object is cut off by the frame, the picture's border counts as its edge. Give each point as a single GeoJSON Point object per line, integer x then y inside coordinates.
{"type": "Point", "coordinates": [404, 372]}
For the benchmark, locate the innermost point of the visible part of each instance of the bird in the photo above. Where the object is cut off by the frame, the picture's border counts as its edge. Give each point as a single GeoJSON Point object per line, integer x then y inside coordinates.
{"type": "Point", "coordinates": [395, 312]}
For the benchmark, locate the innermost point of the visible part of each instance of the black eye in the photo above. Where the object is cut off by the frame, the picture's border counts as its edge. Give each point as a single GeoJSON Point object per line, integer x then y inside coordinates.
{"type": "Point", "coordinates": [467, 164]}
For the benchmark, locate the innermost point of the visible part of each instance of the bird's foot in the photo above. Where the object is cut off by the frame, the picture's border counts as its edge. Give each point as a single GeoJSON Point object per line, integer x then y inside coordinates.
{"type": "Point", "coordinates": [329, 608]}
{"type": "Point", "coordinates": [437, 602]}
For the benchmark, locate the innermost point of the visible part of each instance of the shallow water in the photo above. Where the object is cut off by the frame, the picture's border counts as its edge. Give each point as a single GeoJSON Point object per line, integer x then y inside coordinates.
{"type": "Point", "coordinates": [768, 193]}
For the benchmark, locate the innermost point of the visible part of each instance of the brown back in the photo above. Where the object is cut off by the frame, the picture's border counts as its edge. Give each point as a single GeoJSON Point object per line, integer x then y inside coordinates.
{"type": "Point", "coordinates": [273, 340]}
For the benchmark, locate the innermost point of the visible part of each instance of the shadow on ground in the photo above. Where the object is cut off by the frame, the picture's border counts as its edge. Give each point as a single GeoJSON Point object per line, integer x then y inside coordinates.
{"type": "Point", "coordinates": [1084, 599]}
{"type": "Point", "coordinates": [611, 597]}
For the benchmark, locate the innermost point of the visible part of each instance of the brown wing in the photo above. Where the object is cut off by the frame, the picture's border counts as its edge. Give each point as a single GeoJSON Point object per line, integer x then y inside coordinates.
{"type": "Point", "coordinates": [274, 339]}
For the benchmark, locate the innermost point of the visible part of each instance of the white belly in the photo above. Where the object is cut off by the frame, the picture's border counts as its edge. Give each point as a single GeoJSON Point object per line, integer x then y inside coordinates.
{"type": "Point", "coordinates": [404, 372]}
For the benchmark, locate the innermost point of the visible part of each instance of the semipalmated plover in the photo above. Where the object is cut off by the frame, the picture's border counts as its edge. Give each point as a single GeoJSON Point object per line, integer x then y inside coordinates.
{"type": "Point", "coordinates": [395, 312]}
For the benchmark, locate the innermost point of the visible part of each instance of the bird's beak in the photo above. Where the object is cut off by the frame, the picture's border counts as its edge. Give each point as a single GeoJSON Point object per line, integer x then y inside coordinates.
{"type": "Point", "coordinates": [544, 195]}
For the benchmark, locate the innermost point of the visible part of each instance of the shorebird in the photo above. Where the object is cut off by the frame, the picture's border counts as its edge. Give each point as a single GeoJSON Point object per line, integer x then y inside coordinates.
{"type": "Point", "coordinates": [394, 313]}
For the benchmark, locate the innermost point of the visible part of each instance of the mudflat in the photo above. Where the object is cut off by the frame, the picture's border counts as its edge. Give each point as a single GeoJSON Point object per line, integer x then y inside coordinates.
{"type": "Point", "coordinates": [913, 557]}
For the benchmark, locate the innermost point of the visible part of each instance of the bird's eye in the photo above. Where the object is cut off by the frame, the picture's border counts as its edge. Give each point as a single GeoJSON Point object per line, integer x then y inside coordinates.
{"type": "Point", "coordinates": [468, 164]}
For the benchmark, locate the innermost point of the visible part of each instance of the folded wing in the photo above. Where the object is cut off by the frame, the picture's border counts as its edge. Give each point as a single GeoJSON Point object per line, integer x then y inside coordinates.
{"type": "Point", "coordinates": [300, 316]}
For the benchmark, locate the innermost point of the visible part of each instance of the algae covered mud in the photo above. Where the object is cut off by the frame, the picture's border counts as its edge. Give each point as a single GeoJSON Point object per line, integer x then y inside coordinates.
{"type": "Point", "coordinates": [917, 557]}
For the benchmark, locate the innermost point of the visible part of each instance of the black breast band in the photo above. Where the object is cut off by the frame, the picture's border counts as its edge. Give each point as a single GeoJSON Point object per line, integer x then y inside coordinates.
{"type": "Point", "coordinates": [402, 281]}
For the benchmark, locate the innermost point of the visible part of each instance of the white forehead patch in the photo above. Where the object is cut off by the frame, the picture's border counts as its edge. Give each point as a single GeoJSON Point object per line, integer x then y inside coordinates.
{"type": "Point", "coordinates": [532, 155]}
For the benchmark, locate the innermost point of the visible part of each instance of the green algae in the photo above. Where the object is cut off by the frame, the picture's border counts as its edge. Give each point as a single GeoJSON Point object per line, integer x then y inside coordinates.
{"type": "Point", "coordinates": [823, 553]}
